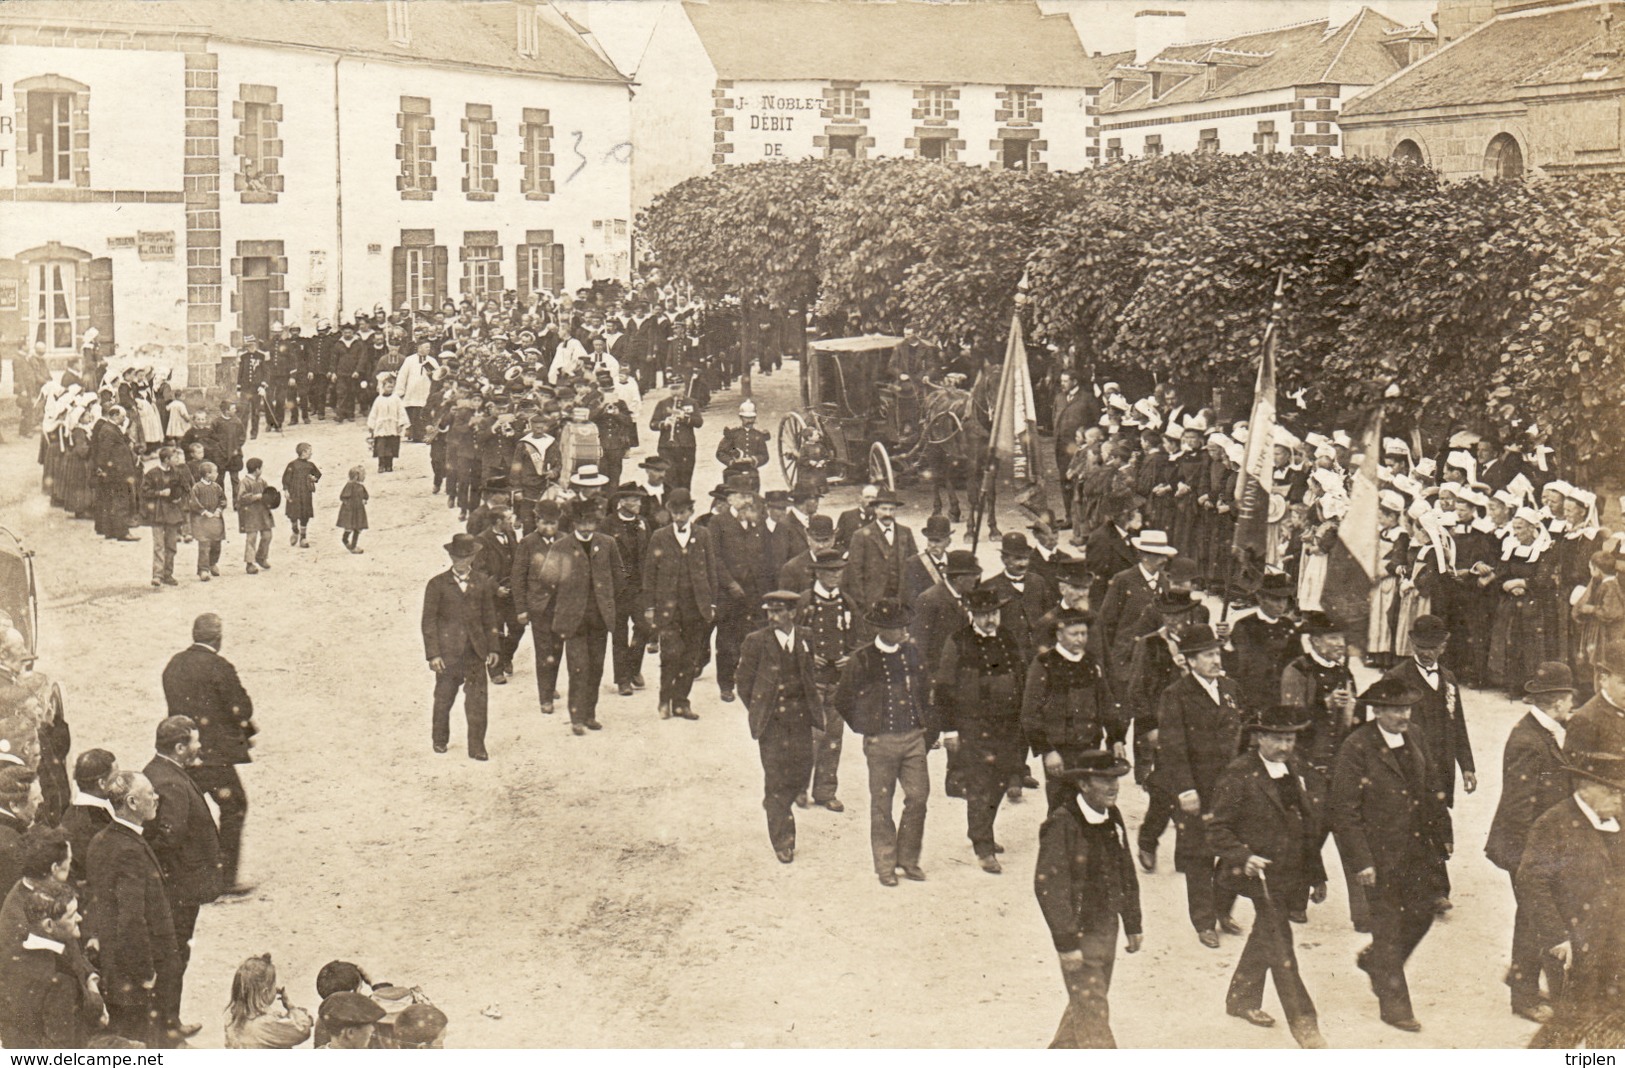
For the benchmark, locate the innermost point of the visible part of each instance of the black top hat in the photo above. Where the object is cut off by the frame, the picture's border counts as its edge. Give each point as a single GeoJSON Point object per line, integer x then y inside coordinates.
{"type": "Point", "coordinates": [962, 562]}
{"type": "Point", "coordinates": [938, 527]}
{"type": "Point", "coordinates": [1281, 719]}
{"type": "Point", "coordinates": [1015, 544]}
{"type": "Point", "coordinates": [887, 614]}
{"type": "Point", "coordinates": [985, 599]}
{"type": "Point", "coordinates": [1429, 631]}
{"type": "Point", "coordinates": [1091, 763]}
{"type": "Point", "coordinates": [1317, 622]}
{"type": "Point", "coordinates": [1389, 693]}
{"type": "Point", "coordinates": [462, 546]}
{"type": "Point", "coordinates": [1553, 676]}
{"type": "Point", "coordinates": [585, 508]}
{"type": "Point", "coordinates": [1606, 768]}
{"type": "Point", "coordinates": [829, 558]}
{"type": "Point", "coordinates": [1277, 584]}
{"type": "Point", "coordinates": [1199, 638]}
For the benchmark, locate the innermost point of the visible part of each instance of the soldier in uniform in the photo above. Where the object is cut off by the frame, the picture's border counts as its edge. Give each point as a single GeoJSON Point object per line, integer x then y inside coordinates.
{"type": "Point", "coordinates": [1389, 832]}
{"type": "Point", "coordinates": [675, 419]}
{"type": "Point", "coordinates": [977, 691]}
{"type": "Point", "coordinates": [1087, 889]}
{"type": "Point", "coordinates": [252, 376]}
{"type": "Point", "coordinates": [826, 616]}
{"type": "Point", "coordinates": [783, 702]}
{"type": "Point", "coordinates": [745, 446]}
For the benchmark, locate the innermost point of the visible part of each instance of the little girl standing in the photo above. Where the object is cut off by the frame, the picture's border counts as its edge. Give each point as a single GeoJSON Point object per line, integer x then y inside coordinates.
{"type": "Point", "coordinates": [353, 508]}
{"type": "Point", "coordinates": [299, 480]}
{"type": "Point", "coordinates": [207, 505]}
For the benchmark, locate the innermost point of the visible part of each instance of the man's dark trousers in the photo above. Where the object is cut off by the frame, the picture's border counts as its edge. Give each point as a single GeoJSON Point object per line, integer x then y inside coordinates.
{"type": "Point", "coordinates": [1401, 914]}
{"type": "Point", "coordinates": [787, 759]}
{"type": "Point", "coordinates": [1269, 951]}
{"type": "Point", "coordinates": [221, 782]}
{"type": "Point", "coordinates": [465, 672]}
{"type": "Point", "coordinates": [584, 657]}
{"type": "Point", "coordinates": [680, 649]}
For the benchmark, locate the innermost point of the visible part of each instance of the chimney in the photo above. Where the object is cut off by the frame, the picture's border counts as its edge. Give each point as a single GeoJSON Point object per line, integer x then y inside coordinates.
{"type": "Point", "coordinates": [1154, 31]}
{"type": "Point", "coordinates": [1340, 13]}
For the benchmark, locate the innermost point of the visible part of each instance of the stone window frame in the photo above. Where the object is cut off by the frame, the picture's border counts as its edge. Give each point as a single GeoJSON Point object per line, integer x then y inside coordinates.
{"type": "Point", "coordinates": [1114, 149]}
{"type": "Point", "coordinates": [1266, 139]}
{"type": "Point", "coordinates": [474, 240]}
{"type": "Point", "coordinates": [925, 99]}
{"type": "Point", "coordinates": [853, 125]}
{"type": "Point", "coordinates": [526, 256]}
{"type": "Point", "coordinates": [280, 300]}
{"type": "Point", "coordinates": [78, 129]}
{"type": "Point", "coordinates": [1207, 141]}
{"type": "Point", "coordinates": [842, 103]}
{"type": "Point", "coordinates": [952, 144]}
{"type": "Point", "coordinates": [422, 242]}
{"type": "Point", "coordinates": [1019, 105]}
{"type": "Point", "coordinates": [1035, 148]}
{"type": "Point", "coordinates": [415, 149]}
{"type": "Point", "coordinates": [479, 152]}
{"type": "Point", "coordinates": [258, 178]}
{"type": "Point", "coordinates": [536, 152]}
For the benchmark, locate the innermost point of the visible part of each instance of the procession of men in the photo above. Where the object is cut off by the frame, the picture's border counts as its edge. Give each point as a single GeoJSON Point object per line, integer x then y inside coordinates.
{"type": "Point", "coordinates": [1118, 638]}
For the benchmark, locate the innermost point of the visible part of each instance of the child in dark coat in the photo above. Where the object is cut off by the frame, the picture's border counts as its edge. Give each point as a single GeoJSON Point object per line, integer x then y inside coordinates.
{"type": "Point", "coordinates": [299, 480]}
{"type": "Point", "coordinates": [353, 508]}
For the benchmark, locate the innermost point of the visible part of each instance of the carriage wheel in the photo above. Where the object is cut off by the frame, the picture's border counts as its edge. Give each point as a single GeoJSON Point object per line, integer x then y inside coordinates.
{"type": "Point", "coordinates": [792, 433]}
{"type": "Point", "coordinates": [880, 469]}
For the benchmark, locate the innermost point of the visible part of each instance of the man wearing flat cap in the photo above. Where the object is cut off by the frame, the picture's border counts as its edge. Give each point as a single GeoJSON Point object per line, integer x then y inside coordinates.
{"type": "Point", "coordinates": [1438, 719]}
{"type": "Point", "coordinates": [780, 692]}
{"type": "Point", "coordinates": [882, 696]}
{"type": "Point", "coordinates": [1391, 834]}
{"type": "Point", "coordinates": [1265, 829]}
{"type": "Point", "coordinates": [348, 1018]}
{"type": "Point", "coordinates": [1534, 778]}
{"type": "Point", "coordinates": [460, 642]}
{"type": "Point", "coordinates": [1572, 882]}
{"type": "Point", "coordinates": [1087, 890]}
{"type": "Point", "coordinates": [420, 1026]}
{"type": "Point", "coordinates": [977, 686]}
{"type": "Point", "coordinates": [1199, 733]}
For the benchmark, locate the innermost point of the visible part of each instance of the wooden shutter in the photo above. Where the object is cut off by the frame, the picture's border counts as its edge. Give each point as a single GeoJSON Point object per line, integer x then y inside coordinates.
{"type": "Point", "coordinates": [558, 269]}
{"type": "Point", "coordinates": [521, 261]}
{"type": "Point", "coordinates": [398, 274]}
{"type": "Point", "coordinates": [441, 272]}
{"type": "Point", "coordinates": [13, 304]}
{"type": "Point", "coordinates": [101, 302]}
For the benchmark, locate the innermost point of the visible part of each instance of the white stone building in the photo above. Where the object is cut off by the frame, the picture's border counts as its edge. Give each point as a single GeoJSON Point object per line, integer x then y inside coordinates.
{"type": "Point", "coordinates": [177, 173]}
{"type": "Point", "coordinates": [993, 84]}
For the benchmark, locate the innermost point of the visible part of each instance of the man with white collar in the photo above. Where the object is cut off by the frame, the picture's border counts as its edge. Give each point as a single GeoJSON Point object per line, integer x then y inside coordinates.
{"type": "Point", "coordinates": [19, 801]}
{"type": "Point", "coordinates": [882, 696]}
{"type": "Point", "coordinates": [826, 616]}
{"type": "Point", "coordinates": [1132, 590]}
{"type": "Point", "coordinates": [679, 601]}
{"type": "Point", "coordinates": [128, 911]}
{"type": "Point", "coordinates": [927, 568]}
{"type": "Point", "coordinates": [655, 490]}
{"type": "Point", "coordinates": [1570, 882]}
{"type": "Point", "coordinates": [1265, 829]}
{"type": "Point", "coordinates": [1390, 832]}
{"type": "Point", "coordinates": [48, 996]}
{"type": "Point", "coordinates": [782, 699]}
{"type": "Point", "coordinates": [1598, 725]}
{"type": "Point", "coordinates": [1534, 777]}
{"type": "Point", "coordinates": [88, 811]}
{"type": "Point", "coordinates": [879, 556]}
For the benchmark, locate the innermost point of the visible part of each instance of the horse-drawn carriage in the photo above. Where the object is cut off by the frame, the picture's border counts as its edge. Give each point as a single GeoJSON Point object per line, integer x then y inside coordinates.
{"type": "Point", "coordinates": [875, 424]}
{"type": "Point", "coordinates": [19, 608]}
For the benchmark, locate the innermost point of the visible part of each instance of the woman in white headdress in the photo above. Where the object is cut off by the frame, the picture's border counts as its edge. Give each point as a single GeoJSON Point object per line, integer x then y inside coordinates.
{"type": "Point", "coordinates": [1328, 504]}
{"type": "Point", "coordinates": [1580, 538]}
{"type": "Point", "coordinates": [146, 410]}
{"type": "Point", "coordinates": [55, 446]}
{"type": "Point", "coordinates": [78, 484]}
{"type": "Point", "coordinates": [1526, 612]}
{"type": "Point", "coordinates": [1432, 556]}
{"type": "Point", "coordinates": [1393, 550]}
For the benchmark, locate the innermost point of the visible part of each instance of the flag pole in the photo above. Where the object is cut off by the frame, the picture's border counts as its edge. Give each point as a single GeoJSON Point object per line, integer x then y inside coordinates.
{"type": "Point", "coordinates": [1254, 488]}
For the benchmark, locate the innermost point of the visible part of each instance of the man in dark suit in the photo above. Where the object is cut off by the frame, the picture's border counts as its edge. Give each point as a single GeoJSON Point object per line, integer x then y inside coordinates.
{"type": "Point", "coordinates": [19, 801]}
{"type": "Point", "coordinates": [855, 519]}
{"type": "Point", "coordinates": [1264, 829]}
{"type": "Point", "coordinates": [742, 577]}
{"type": "Point", "coordinates": [1199, 732]}
{"type": "Point", "coordinates": [1390, 834]}
{"type": "Point", "coordinates": [203, 685]}
{"type": "Point", "coordinates": [533, 598]}
{"type": "Point", "coordinates": [783, 538]}
{"type": "Point", "coordinates": [628, 637]}
{"type": "Point", "coordinates": [499, 543]}
{"type": "Point", "coordinates": [882, 696]}
{"type": "Point", "coordinates": [797, 572]}
{"type": "Point", "coordinates": [878, 556]}
{"type": "Point", "coordinates": [187, 844]}
{"type": "Point", "coordinates": [460, 642]}
{"type": "Point", "coordinates": [1534, 778]}
{"type": "Point", "coordinates": [92, 776]}
{"type": "Point", "coordinates": [930, 566]}
{"type": "Point", "coordinates": [1572, 881]}
{"type": "Point", "coordinates": [117, 472]}
{"type": "Point", "coordinates": [1130, 592]}
{"type": "Point", "coordinates": [47, 997]}
{"type": "Point", "coordinates": [1438, 720]}
{"type": "Point", "coordinates": [781, 698]}
{"type": "Point", "coordinates": [1598, 726]}
{"type": "Point", "coordinates": [1109, 549]}
{"type": "Point", "coordinates": [583, 590]}
{"type": "Point", "coordinates": [1263, 641]}
{"type": "Point", "coordinates": [128, 912]}
{"type": "Point", "coordinates": [679, 599]}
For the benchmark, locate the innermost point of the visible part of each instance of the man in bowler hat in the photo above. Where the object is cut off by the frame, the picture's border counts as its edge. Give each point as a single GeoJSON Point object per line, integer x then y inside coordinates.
{"type": "Point", "coordinates": [460, 642]}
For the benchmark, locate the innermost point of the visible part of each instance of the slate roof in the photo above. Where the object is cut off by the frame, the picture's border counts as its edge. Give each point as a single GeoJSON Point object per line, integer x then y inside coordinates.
{"type": "Point", "coordinates": [1546, 46]}
{"type": "Point", "coordinates": [992, 42]}
{"type": "Point", "coordinates": [1304, 53]}
{"type": "Point", "coordinates": [442, 31]}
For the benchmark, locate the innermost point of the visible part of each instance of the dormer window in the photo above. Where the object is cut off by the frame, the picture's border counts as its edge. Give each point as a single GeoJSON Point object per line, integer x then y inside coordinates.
{"type": "Point", "coordinates": [528, 31]}
{"type": "Point", "coordinates": [400, 22]}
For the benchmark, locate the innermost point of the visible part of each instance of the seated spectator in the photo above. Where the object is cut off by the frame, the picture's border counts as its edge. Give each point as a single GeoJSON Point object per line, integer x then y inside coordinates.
{"type": "Point", "coordinates": [260, 1015]}
{"type": "Point", "coordinates": [348, 1019]}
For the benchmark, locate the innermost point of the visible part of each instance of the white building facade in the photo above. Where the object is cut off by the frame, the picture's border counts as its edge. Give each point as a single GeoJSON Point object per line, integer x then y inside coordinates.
{"type": "Point", "coordinates": [233, 166]}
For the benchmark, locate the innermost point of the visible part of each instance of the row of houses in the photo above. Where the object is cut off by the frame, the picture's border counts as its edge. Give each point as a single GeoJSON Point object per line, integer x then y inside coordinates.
{"type": "Point", "coordinates": [178, 174]}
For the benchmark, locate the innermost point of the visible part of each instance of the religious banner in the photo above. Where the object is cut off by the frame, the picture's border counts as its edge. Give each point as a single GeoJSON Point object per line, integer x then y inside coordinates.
{"type": "Point", "coordinates": [1256, 483]}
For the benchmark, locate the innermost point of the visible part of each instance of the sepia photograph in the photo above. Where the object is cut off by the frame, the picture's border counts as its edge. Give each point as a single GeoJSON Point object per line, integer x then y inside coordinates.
{"type": "Point", "coordinates": [812, 524]}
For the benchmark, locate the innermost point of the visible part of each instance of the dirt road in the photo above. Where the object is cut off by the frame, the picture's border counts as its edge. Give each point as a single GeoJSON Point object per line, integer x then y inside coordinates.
{"type": "Point", "coordinates": [618, 889]}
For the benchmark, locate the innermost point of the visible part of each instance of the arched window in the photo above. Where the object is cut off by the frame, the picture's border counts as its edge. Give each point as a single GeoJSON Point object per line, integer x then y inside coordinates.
{"type": "Point", "coordinates": [1503, 160]}
{"type": "Point", "coordinates": [1407, 151]}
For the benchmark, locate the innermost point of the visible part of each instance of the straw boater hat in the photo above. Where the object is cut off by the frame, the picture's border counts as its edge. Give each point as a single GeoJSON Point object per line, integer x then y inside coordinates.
{"type": "Point", "coordinates": [1153, 541]}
